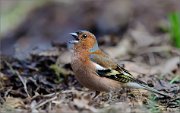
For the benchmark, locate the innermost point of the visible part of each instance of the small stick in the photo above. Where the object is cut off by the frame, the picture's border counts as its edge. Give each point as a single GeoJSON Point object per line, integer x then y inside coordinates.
{"type": "Point", "coordinates": [24, 81]}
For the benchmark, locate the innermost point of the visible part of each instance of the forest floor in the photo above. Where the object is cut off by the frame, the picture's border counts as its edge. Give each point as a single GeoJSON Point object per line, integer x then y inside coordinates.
{"type": "Point", "coordinates": [44, 81]}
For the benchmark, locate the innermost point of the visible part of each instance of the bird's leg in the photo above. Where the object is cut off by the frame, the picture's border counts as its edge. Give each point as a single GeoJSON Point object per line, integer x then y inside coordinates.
{"type": "Point", "coordinates": [96, 94]}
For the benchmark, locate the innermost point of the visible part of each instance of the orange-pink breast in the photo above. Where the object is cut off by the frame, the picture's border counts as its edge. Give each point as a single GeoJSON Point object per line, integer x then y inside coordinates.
{"type": "Point", "coordinates": [86, 74]}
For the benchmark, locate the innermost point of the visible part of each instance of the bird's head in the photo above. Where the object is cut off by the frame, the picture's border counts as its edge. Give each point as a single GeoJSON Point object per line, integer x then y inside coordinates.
{"type": "Point", "coordinates": [84, 40]}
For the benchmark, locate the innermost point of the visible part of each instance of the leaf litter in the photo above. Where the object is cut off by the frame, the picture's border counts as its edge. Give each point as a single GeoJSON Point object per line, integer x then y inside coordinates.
{"type": "Point", "coordinates": [42, 83]}
{"type": "Point", "coordinates": [45, 82]}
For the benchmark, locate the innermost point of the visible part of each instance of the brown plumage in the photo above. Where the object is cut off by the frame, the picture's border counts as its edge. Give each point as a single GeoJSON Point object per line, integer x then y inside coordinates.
{"type": "Point", "coordinates": [96, 70]}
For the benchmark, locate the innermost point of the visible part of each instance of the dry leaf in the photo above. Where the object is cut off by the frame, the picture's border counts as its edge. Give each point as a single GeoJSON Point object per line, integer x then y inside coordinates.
{"type": "Point", "coordinates": [14, 102]}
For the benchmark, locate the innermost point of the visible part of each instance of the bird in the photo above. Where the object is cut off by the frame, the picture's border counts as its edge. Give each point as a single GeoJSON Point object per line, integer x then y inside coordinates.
{"type": "Point", "coordinates": [96, 70]}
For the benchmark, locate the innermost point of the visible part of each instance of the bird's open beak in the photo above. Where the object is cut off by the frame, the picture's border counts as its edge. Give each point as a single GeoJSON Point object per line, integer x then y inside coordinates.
{"type": "Point", "coordinates": [75, 35]}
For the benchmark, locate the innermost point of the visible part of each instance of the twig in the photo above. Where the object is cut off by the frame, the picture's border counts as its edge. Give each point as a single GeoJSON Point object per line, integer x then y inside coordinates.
{"type": "Point", "coordinates": [46, 101]}
{"type": "Point", "coordinates": [24, 81]}
{"type": "Point", "coordinates": [50, 95]}
{"type": "Point", "coordinates": [8, 90]}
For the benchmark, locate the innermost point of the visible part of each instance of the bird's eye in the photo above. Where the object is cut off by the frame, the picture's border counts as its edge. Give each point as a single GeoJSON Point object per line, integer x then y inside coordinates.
{"type": "Point", "coordinates": [84, 35]}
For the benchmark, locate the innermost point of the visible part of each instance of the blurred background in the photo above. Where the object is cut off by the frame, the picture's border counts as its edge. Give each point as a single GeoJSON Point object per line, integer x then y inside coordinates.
{"type": "Point", "coordinates": [35, 71]}
{"type": "Point", "coordinates": [35, 25]}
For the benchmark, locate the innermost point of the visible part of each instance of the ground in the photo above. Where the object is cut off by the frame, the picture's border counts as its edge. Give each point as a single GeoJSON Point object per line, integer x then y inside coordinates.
{"type": "Point", "coordinates": [42, 80]}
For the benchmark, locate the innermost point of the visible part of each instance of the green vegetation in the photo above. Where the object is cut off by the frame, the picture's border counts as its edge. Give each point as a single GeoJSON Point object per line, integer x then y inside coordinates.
{"type": "Point", "coordinates": [153, 105]}
{"type": "Point", "coordinates": [13, 15]}
{"type": "Point", "coordinates": [174, 19]}
{"type": "Point", "coordinates": [176, 78]}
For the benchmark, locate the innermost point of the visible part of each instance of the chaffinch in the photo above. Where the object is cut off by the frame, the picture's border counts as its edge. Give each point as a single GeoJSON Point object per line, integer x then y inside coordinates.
{"type": "Point", "coordinates": [96, 70]}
